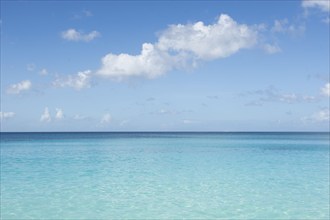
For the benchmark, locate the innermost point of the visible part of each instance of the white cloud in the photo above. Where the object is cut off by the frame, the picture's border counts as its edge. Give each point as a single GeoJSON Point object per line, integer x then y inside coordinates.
{"type": "Point", "coordinates": [181, 46]}
{"type": "Point", "coordinates": [45, 117]}
{"type": "Point", "coordinates": [74, 35]}
{"type": "Point", "coordinates": [283, 26]}
{"type": "Point", "coordinates": [323, 5]}
{"type": "Point", "coordinates": [106, 118]}
{"type": "Point", "coordinates": [43, 72]}
{"type": "Point", "coordinates": [5, 115]}
{"type": "Point", "coordinates": [326, 90]}
{"type": "Point", "coordinates": [320, 116]}
{"type": "Point", "coordinates": [151, 63]}
{"type": "Point", "coordinates": [188, 121]}
{"type": "Point", "coordinates": [59, 114]}
{"type": "Point", "coordinates": [208, 42]}
{"type": "Point", "coordinates": [19, 87]}
{"type": "Point", "coordinates": [79, 81]}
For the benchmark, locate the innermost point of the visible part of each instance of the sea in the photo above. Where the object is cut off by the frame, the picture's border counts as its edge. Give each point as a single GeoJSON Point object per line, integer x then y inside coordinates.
{"type": "Point", "coordinates": [165, 175]}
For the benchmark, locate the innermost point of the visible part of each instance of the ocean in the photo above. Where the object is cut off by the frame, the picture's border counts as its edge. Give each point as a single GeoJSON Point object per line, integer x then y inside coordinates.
{"type": "Point", "coordinates": [165, 175]}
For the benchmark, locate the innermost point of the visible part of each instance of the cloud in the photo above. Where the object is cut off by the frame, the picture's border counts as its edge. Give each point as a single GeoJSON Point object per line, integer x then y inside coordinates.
{"type": "Point", "coordinates": [271, 94]}
{"type": "Point", "coordinates": [83, 14]}
{"type": "Point", "coordinates": [5, 115]}
{"type": "Point", "coordinates": [283, 26]}
{"type": "Point", "coordinates": [181, 46]}
{"type": "Point", "coordinates": [59, 114]}
{"type": "Point", "coordinates": [326, 90]}
{"type": "Point", "coordinates": [188, 121]}
{"type": "Point", "coordinates": [45, 117]}
{"type": "Point", "coordinates": [320, 116]}
{"type": "Point", "coordinates": [79, 117]}
{"type": "Point", "coordinates": [271, 49]}
{"type": "Point", "coordinates": [323, 5]}
{"type": "Point", "coordinates": [79, 81]}
{"type": "Point", "coordinates": [106, 118]}
{"type": "Point", "coordinates": [19, 87]}
{"type": "Point", "coordinates": [74, 35]}
{"type": "Point", "coordinates": [208, 42]}
{"type": "Point", "coordinates": [87, 13]}
{"type": "Point", "coordinates": [43, 72]}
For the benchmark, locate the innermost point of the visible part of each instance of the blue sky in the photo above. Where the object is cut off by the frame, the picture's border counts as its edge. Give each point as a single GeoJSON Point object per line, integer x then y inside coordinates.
{"type": "Point", "coordinates": [165, 66]}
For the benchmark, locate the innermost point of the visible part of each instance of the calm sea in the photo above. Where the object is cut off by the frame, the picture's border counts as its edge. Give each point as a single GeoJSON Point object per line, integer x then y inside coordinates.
{"type": "Point", "coordinates": [165, 175]}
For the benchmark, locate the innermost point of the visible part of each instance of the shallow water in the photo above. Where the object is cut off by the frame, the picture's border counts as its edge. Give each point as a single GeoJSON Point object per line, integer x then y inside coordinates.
{"type": "Point", "coordinates": [164, 175]}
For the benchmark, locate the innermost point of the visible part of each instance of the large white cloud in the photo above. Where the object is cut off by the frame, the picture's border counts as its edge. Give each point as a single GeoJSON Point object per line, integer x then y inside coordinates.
{"type": "Point", "coordinates": [45, 117]}
{"type": "Point", "coordinates": [19, 87]}
{"type": "Point", "coordinates": [326, 90]}
{"type": "Point", "coordinates": [79, 81]}
{"type": "Point", "coordinates": [151, 63]}
{"type": "Point", "coordinates": [74, 35]}
{"type": "Point", "coordinates": [180, 46]}
{"type": "Point", "coordinates": [207, 42]}
{"type": "Point", "coordinates": [323, 5]}
{"type": "Point", "coordinates": [5, 115]}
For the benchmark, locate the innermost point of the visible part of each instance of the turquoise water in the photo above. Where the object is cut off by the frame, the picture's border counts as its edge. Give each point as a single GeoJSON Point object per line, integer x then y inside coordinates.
{"type": "Point", "coordinates": [164, 175]}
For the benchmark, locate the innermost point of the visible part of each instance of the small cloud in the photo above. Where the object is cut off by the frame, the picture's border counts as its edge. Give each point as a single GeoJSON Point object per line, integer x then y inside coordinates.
{"type": "Point", "coordinates": [123, 123]}
{"type": "Point", "coordinates": [326, 90]}
{"type": "Point", "coordinates": [271, 94]}
{"type": "Point", "coordinates": [17, 88]}
{"type": "Point", "coordinates": [87, 13]}
{"type": "Point", "coordinates": [43, 72]}
{"type": "Point", "coordinates": [188, 121]}
{"type": "Point", "coordinates": [79, 81]}
{"type": "Point", "coordinates": [323, 5]}
{"type": "Point", "coordinates": [320, 116]}
{"type": "Point", "coordinates": [106, 118]}
{"type": "Point", "coordinates": [30, 67]}
{"type": "Point", "coordinates": [74, 35]}
{"type": "Point", "coordinates": [45, 117]}
{"type": "Point", "coordinates": [79, 117]}
{"type": "Point", "coordinates": [283, 26]}
{"type": "Point", "coordinates": [59, 114]}
{"type": "Point", "coordinates": [271, 49]}
{"type": "Point", "coordinates": [5, 115]}
{"type": "Point", "coordinates": [166, 112]}
{"type": "Point", "coordinates": [83, 14]}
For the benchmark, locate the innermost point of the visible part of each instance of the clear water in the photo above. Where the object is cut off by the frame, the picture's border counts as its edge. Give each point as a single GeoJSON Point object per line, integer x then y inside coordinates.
{"type": "Point", "coordinates": [164, 175]}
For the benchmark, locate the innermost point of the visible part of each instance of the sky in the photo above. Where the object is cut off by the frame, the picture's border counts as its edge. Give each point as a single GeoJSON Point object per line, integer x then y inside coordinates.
{"type": "Point", "coordinates": [165, 66]}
